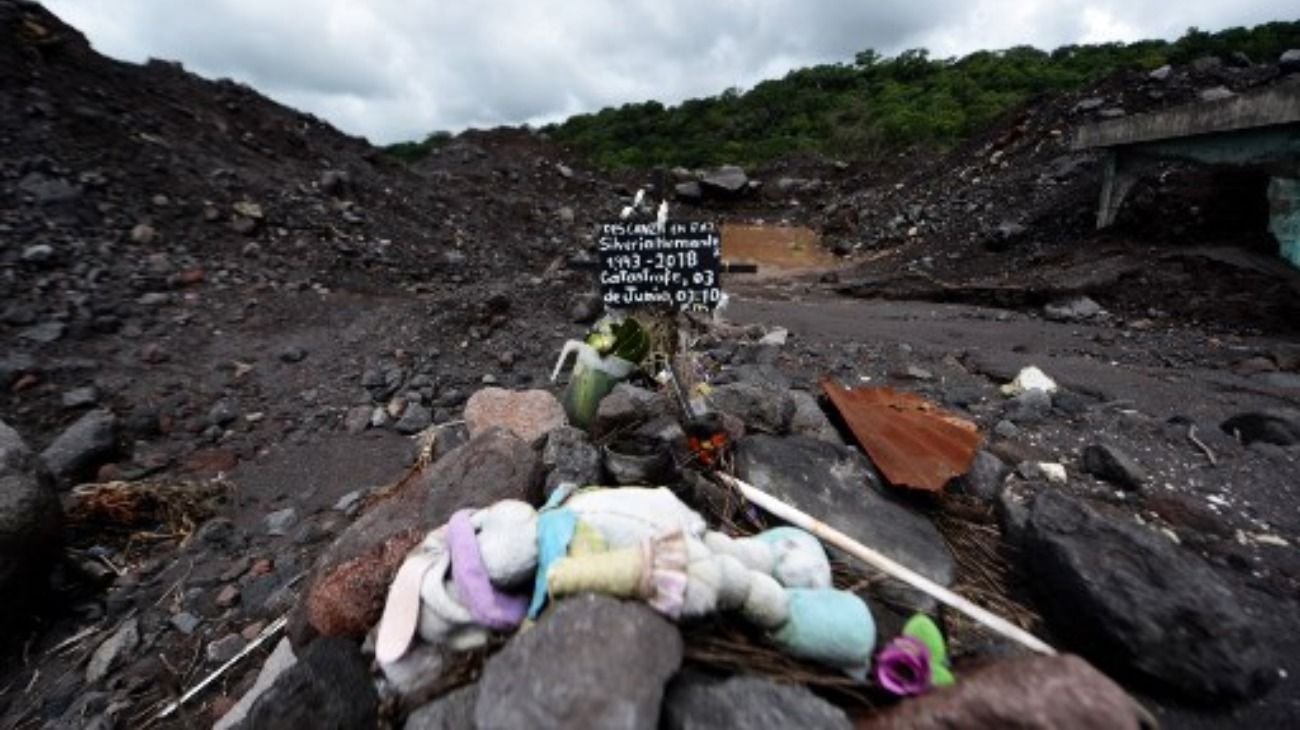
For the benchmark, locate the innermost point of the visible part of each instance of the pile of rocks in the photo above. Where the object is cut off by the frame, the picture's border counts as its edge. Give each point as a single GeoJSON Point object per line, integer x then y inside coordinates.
{"type": "Point", "coordinates": [1118, 592]}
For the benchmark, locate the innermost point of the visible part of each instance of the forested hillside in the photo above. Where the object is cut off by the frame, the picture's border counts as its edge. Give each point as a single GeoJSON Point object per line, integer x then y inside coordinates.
{"type": "Point", "coordinates": [875, 103]}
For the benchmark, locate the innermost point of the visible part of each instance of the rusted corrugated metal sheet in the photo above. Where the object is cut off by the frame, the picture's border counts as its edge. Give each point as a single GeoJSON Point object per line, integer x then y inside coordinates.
{"type": "Point", "coordinates": [911, 440]}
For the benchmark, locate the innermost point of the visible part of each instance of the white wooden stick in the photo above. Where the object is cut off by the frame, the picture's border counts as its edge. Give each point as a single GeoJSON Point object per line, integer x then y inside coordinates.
{"type": "Point", "coordinates": [267, 633]}
{"type": "Point", "coordinates": [873, 558]}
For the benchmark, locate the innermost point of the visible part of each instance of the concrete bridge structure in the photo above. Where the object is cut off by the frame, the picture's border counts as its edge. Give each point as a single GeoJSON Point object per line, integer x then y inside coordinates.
{"type": "Point", "coordinates": [1260, 130]}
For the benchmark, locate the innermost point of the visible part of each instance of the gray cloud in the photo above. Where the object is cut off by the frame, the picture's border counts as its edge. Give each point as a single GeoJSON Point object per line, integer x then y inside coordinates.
{"type": "Point", "coordinates": [396, 69]}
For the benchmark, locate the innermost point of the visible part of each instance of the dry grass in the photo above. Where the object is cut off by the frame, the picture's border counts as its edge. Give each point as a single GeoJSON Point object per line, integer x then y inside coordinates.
{"type": "Point", "coordinates": [984, 573]}
{"type": "Point", "coordinates": [146, 511]}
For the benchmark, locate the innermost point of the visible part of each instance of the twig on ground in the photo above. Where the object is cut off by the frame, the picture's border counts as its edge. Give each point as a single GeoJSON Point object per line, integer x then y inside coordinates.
{"type": "Point", "coordinates": [1191, 436]}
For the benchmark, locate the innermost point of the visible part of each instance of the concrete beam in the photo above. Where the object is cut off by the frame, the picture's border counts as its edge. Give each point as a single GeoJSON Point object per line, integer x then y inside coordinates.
{"type": "Point", "coordinates": [1276, 105]}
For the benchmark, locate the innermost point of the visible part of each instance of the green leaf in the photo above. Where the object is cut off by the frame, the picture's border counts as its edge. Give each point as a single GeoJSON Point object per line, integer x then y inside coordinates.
{"type": "Point", "coordinates": [924, 630]}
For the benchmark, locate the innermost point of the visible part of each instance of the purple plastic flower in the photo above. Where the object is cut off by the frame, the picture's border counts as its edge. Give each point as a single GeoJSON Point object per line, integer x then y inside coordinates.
{"type": "Point", "coordinates": [903, 667]}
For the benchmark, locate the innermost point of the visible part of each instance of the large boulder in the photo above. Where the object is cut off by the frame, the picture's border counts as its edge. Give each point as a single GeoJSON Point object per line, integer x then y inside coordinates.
{"type": "Point", "coordinates": [695, 702]}
{"type": "Point", "coordinates": [30, 519]}
{"type": "Point", "coordinates": [452, 711]}
{"type": "Point", "coordinates": [82, 446]}
{"type": "Point", "coordinates": [762, 406]}
{"type": "Point", "coordinates": [1128, 598]}
{"type": "Point", "coordinates": [725, 181]}
{"type": "Point", "coordinates": [329, 688]}
{"type": "Point", "coordinates": [1280, 426]}
{"type": "Point", "coordinates": [1027, 693]}
{"type": "Point", "coordinates": [840, 487]}
{"type": "Point", "coordinates": [590, 662]}
{"type": "Point", "coordinates": [347, 587]}
{"type": "Point", "coordinates": [278, 663]}
{"type": "Point", "coordinates": [529, 414]}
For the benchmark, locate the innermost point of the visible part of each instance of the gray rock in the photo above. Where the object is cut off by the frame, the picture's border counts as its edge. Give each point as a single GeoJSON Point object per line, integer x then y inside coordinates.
{"type": "Point", "coordinates": [1206, 63]}
{"type": "Point", "coordinates": [1012, 507]}
{"type": "Point", "coordinates": [840, 487]}
{"type": "Point", "coordinates": [1239, 59]}
{"type": "Point", "coordinates": [1089, 104]}
{"type": "Point", "coordinates": [335, 182]}
{"type": "Point", "coordinates": [1217, 93]}
{"type": "Point", "coordinates": [14, 366]}
{"type": "Point", "coordinates": [37, 254]}
{"type": "Point", "coordinates": [1279, 426]}
{"type": "Point", "coordinates": [1110, 464]}
{"type": "Point", "coordinates": [292, 354]}
{"type": "Point", "coordinates": [1031, 406]}
{"type": "Point", "coordinates": [218, 532]}
{"type": "Point", "coordinates": [276, 664]}
{"type": "Point", "coordinates": [725, 180]}
{"type": "Point", "coordinates": [1077, 309]}
{"type": "Point", "coordinates": [414, 419]}
{"type": "Point", "coordinates": [616, 658]}
{"type": "Point", "coordinates": [626, 407]}
{"type": "Point", "coordinates": [224, 649]}
{"type": "Point", "coordinates": [47, 190]}
{"type": "Point", "coordinates": [418, 673]}
{"type": "Point", "coordinates": [329, 688]}
{"type": "Point", "coordinates": [492, 466]}
{"type": "Point", "coordinates": [143, 234]}
{"type": "Point", "coordinates": [689, 191]}
{"type": "Point", "coordinates": [185, 622]}
{"type": "Point", "coordinates": [349, 503]}
{"type": "Point", "coordinates": [1281, 381]}
{"type": "Point", "coordinates": [1008, 230]}
{"type": "Point", "coordinates": [81, 397]}
{"type": "Point", "coordinates": [281, 521]}
{"type": "Point", "coordinates": [569, 456]}
{"type": "Point", "coordinates": [453, 711]}
{"type": "Point", "coordinates": [223, 413]}
{"type": "Point", "coordinates": [809, 419]}
{"type": "Point", "coordinates": [694, 702]}
{"type": "Point", "coordinates": [30, 522]}
{"type": "Point", "coordinates": [763, 407]}
{"type": "Point", "coordinates": [1129, 598]}
{"type": "Point", "coordinates": [986, 476]}
{"type": "Point", "coordinates": [113, 651]}
{"type": "Point", "coordinates": [81, 446]}
{"type": "Point", "coordinates": [1162, 73]}
{"type": "Point", "coordinates": [587, 306]}
{"type": "Point", "coordinates": [1111, 113]}
{"type": "Point", "coordinates": [1289, 61]}
{"type": "Point", "coordinates": [357, 419]}
{"type": "Point", "coordinates": [1006, 429]}
{"type": "Point", "coordinates": [44, 333]}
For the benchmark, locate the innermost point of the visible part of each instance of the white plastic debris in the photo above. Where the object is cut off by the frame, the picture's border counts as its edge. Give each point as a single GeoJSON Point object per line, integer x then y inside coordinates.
{"type": "Point", "coordinates": [1054, 472]}
{"type": "Point", "coordinates": [776, 337]}
{"type": "Point", "coordinates": [1030, 378]}
{"type": "Point", "coordinates": [1047, 470]}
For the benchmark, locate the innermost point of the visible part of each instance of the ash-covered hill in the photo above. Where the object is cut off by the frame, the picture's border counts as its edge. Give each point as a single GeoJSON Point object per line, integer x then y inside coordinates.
{"type": "Point", "coordinates": [104, 163]}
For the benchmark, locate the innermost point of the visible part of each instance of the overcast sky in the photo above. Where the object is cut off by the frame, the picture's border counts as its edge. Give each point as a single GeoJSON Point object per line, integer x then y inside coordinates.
{"type": "Point", "coordinates": [397, 69]}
